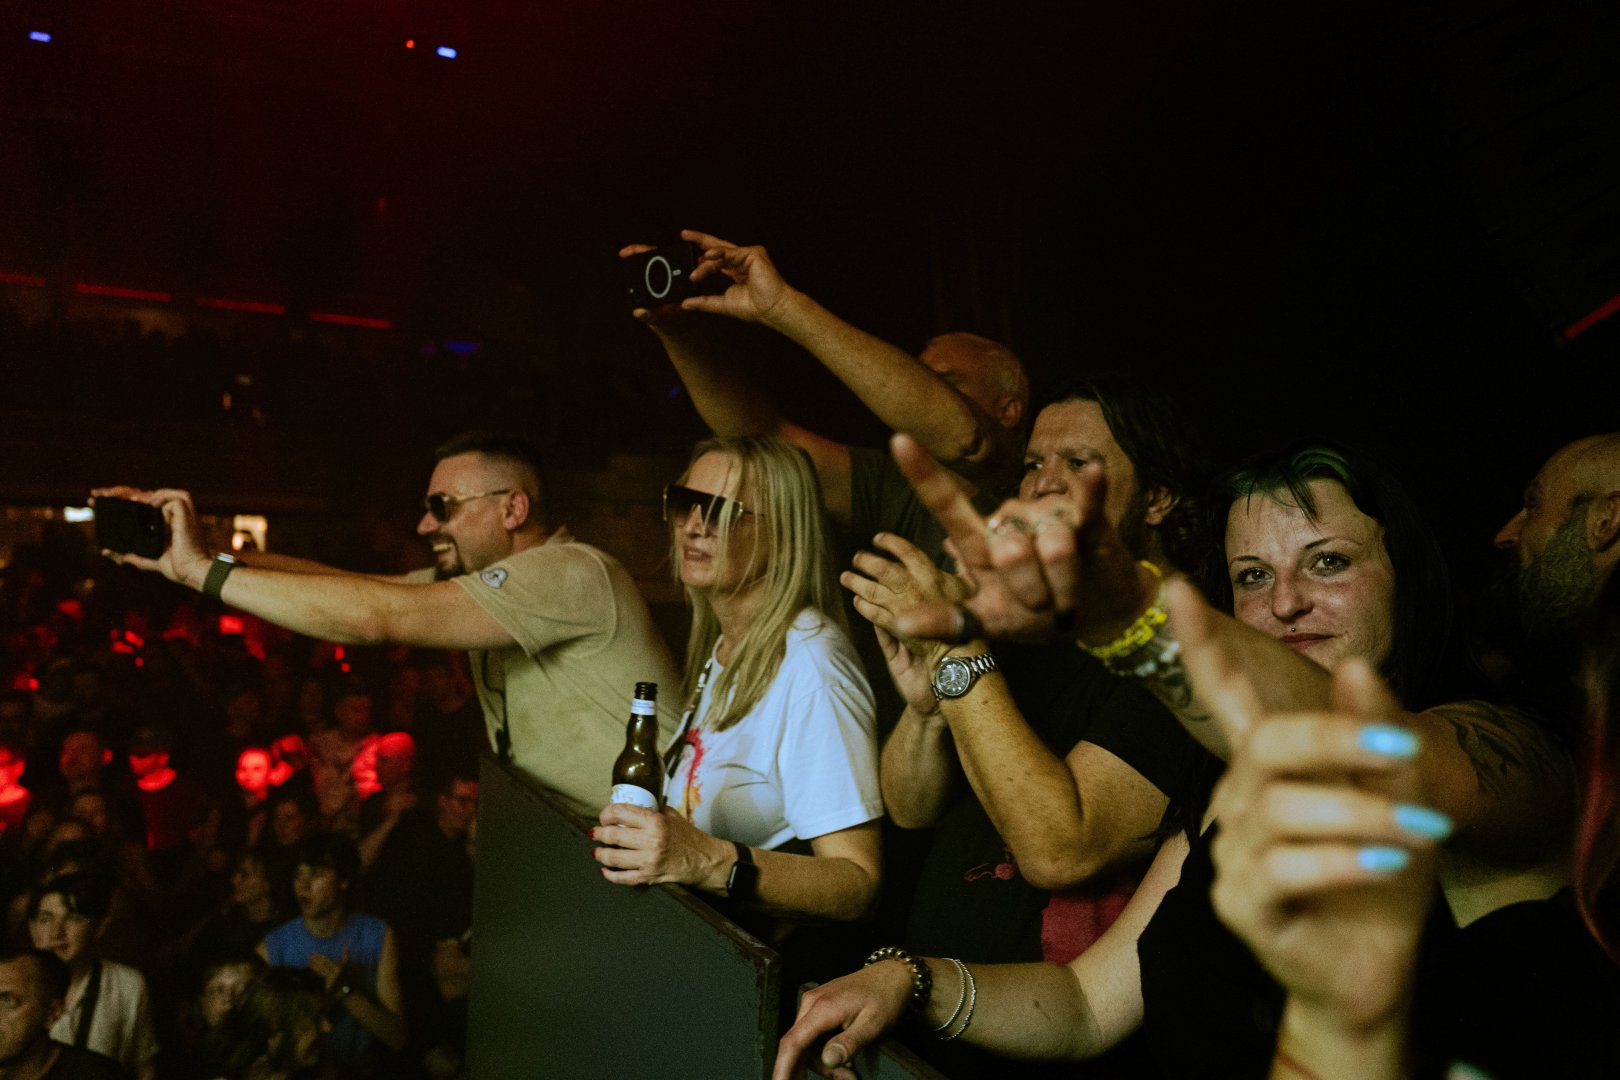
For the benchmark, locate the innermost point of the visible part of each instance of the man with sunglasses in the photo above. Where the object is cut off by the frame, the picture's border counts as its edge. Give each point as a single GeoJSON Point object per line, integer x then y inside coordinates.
{"type": "Point", "coordinates": [557, 633]}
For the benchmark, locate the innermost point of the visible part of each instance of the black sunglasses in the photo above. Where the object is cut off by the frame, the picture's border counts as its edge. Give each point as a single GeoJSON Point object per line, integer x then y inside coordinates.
{"type": "Point", "coordinates": [678, 503]}
{"type": "Point", "coordinates": [442, 506]}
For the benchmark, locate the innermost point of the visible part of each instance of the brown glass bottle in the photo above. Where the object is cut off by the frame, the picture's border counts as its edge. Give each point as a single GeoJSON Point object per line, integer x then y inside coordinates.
{"type": "Point", "coordinates": [638, 774]}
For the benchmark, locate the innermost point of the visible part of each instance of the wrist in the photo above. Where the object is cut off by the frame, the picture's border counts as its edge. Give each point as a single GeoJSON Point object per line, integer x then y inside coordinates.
{"type": "Point", "coordinates": [717, 865]}
{"type": "Point", "coordinates": [792, 315]}
{"type": "Point", "coordinates": [195, 572]}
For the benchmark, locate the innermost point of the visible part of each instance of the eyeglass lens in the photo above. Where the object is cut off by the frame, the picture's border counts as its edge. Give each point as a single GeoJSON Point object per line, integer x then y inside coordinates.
{"type": "Point", "coordinates": [679, 501]}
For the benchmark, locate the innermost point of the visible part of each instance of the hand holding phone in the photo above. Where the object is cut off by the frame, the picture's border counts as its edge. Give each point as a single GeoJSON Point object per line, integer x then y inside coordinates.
{"type": "Point", "coordinates": [130, 528]}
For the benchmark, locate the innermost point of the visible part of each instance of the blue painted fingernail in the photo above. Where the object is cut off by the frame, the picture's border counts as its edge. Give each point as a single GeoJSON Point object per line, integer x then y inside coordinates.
{"type": "Point", "coordinates": [1383, 860]}
{"type": "Point", "coordinates": [1422, 821]}
{"type": "Point", "coordinates": [1389, 741]}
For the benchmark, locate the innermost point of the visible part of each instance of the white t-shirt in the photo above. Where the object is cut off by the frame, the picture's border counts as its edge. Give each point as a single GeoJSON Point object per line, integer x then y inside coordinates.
{"type": "Point", "coordinates": [801, 764]}
{"type": "Point", "coordinates": [122, 1026]}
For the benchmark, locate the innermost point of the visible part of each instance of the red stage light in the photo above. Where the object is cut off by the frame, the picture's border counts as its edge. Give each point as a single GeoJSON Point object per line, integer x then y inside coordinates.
{"type": "Point", "coordinates": [1585, 323]}
{"type": "Point", "coordinates": [10, 278]}
{"type": "Point", "coordinates": [230, 624]}
{"type": "Point", "coordinates": [258, 307]}
{"type": "Point", "coordinates": [410, 43]}
{"type": "Point", "coordinates": [85, 288]}
{"type": "Point", "coordinates": [350, 320]}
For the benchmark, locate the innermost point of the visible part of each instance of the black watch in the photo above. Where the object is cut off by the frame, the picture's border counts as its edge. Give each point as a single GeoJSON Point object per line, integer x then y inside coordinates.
{"type": "Point", "coordinates": [744, 878]}
{"type": "Point", "coordinates": [956, 675]}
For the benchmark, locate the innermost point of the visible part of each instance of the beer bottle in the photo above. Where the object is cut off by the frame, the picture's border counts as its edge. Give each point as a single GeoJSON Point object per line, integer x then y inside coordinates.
{"type": "Point", "coordinates": [638, 774]}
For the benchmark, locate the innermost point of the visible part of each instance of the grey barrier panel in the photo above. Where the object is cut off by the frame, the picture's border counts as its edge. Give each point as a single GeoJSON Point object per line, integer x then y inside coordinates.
{"type": "Point", "coordinates": [575, 977]}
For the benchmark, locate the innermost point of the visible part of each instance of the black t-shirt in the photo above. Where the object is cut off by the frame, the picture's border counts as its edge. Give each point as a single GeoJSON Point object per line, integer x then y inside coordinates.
{"type": "Point", "coordinates": [971, 901]}
{"type": "Point", "coordinates": [75, 1064]}
{"type": "Point", "coordinates": [880, 500]}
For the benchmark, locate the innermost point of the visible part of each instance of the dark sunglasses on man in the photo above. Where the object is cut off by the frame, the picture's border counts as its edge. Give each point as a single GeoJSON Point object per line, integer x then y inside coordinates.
{"type": "Point", "coordinates": [679, 501]}
{"type": "Point", "coordinates": [441, 506]}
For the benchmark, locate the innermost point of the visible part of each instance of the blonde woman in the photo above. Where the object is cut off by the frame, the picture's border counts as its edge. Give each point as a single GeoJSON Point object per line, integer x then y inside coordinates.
{"type": "Point", "coordinates": [772, 789]}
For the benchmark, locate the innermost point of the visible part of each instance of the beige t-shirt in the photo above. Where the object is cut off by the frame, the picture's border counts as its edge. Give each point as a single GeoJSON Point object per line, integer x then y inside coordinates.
{"type": "Point", "coordinates": [584, 639]}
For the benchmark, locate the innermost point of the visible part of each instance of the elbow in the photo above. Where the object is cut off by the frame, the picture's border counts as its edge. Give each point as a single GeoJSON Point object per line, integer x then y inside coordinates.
{"type": "Point", "coordinates": [1057, 869]}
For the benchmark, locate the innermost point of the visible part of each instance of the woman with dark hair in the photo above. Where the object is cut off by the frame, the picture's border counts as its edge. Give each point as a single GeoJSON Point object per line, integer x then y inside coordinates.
{"type": "Point", "coordinates": [773, 777]}
{"type": "Point", "coordinates": [275, 1031]}
{"type": "Point", "coordinates": [261, 899]}
{"type": "Point", "coordinates": [1529, 990]}
{"type": "Point", "coordinates": [1316, 586]}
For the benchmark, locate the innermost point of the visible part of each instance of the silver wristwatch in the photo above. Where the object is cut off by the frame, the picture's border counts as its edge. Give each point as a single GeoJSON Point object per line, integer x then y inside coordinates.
{"type": "Point", "coordinates": [956, 675]}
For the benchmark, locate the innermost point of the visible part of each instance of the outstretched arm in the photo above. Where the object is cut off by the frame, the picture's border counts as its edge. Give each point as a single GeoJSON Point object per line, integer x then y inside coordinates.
{"type": "Point", "coordinates": [341, 607]}
{"type": "Point", "coordinates": [1042, 1012]}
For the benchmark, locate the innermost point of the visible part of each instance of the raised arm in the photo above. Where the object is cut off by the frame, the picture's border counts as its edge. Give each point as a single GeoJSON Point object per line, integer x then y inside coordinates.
{"type": "Point", "coordinates": [1066, 818]}
{"type": "Point", "coordinates": [340, 607]}
{"type": "Point", "coordinates": [918, 772]}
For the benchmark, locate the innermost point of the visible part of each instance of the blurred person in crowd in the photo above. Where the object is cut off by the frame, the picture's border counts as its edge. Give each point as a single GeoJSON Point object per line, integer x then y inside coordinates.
{"type": "Point", "coordinates": [392, 791]}
{"type": "Point", "coordinates": [422, 882]}
{"type": "Point", "coordinates": [333, 753]}
{"type": "Point", "coordinates": [33, 988]}
{"type": "Point", "coordinates": [243, 815]}
{"type": "Point", "coordinates": [355, 955]}
{"type": "Point", "coordinates": [294, 815]}
{"type": "Point", "coordinates": [14, 798]}
{"type": "Point", "coordinates": [178, 812]}
{"type": "Point", "coordinates": [558, 632]}
{"type": "Point", "coordinates": [261, 899]}
{"type": "Point", "coordinates": [213, 994]}
{"type": "Point", "coordinates": [447, 725]}
{"type": "Point", "coordinates": [289, 759]}
{"type": "Point", "coordinates": [276, 1031]}
{"type": "Point", "coordinates": [106, 1007]}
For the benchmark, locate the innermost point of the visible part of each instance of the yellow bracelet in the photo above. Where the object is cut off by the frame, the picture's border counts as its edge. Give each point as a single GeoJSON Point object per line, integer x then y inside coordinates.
{"type": "Point", "coordinates": [1140, 632]}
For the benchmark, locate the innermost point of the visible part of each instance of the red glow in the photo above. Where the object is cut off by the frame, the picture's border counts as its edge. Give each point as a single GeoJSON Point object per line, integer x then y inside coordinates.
{"type": "Point", "coordinates": [344, 667]}
{"type": "Point", "coordinates": [258, 307]}
{"type": "Point", "coordinates": [71, 608]}
{"type": "Point", "coordinates": [134, 639]}
{"type": "Point", "coordinates": [337, 652]}
{"type": "Point", "coordinates": [230, 624]}
{"type": "Point", "coordinates": [33, 684]}
{"type": "Point", "coordinates": [85, 288]}
{"type": "Point", "coordinates": [1609, 307]}
{"type": "Point", "coordinates": [10, 278]}
{"type": "Point", "coordinates": [350, 320]}
{"type": "Point", "coordinates": [123, 649]}
{"type": "Point", "coordinates": [410, 43]}
{"type": "Point", "coordinates": [140, 661]}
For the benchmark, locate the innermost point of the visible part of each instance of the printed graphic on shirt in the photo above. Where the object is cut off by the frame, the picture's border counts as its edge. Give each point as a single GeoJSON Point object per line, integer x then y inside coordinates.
{"type": "Point", "coordinates": [494, 577]}
{"type": "Point", "coordinates": [692, 791]}
{"type": "Point", "coordinates": [1002, 871]}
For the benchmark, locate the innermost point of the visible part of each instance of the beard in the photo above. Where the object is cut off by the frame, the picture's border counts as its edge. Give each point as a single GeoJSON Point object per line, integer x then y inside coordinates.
{"type": "Point", "coordinates": [1528, 626]}
{"type": "Point", "coordinates": [1558, 586]}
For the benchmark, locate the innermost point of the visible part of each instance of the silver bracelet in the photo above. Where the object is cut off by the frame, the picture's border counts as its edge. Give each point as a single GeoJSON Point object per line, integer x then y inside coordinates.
{"type": "Point", "coordinates": [961, 995]}
{"type": "Point", "coordinates": [973, 999]}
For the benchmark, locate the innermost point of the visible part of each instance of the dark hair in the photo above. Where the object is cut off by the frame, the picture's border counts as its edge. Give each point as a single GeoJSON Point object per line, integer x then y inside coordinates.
{"type": "Point", "coordinates": [1163, 447]}
{"type": "Point", "coordinates": [226, 956]}
{"type": "Point", "coordinates": [262, 1028]}
{"type": "Point", "coordinates": [1423, 602]}
{"type": "Point", "coordinates": [277, 866]}
{"type": "Point", "coordinates": [330, 851]}
{"type": "Point", "coordinates": [1597, 836]}
{"type": "Point", "coordinates": [54, 976]}
{"type": "Point", "coordinates": [84, 894]}
{"type": "Point", "coordinates": [512, 450]}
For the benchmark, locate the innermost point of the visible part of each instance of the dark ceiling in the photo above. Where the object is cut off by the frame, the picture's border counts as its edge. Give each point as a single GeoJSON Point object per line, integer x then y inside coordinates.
{"type": "Point", "coordinates": [1372, 219]}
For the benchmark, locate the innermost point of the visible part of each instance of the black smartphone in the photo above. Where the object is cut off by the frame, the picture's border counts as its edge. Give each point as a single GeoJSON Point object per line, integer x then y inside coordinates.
{"type": "Point", "coordinates": [660, 277]}
{"type": "Point", "coordinates": [130, 527]}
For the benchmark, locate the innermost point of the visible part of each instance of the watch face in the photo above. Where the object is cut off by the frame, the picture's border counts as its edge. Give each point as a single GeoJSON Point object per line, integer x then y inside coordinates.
{"type": "Point", "coordinates": [953, 677]}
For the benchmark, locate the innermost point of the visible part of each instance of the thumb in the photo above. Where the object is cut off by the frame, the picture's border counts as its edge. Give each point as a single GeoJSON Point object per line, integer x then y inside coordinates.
{"type": "Point", "coordinates": [1358, 690]}
{"type": "Point", "coordinates": [1213, 673]}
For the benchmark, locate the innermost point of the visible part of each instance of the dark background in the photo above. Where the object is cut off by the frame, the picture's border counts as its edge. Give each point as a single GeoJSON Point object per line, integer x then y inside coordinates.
{"type": "Point", "coordinates": [1380, 221]}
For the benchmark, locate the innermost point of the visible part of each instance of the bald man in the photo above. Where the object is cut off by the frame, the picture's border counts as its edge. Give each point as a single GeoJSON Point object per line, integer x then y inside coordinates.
{"type": "Point", "coordinates": [556, 631]}
{"type": "Point", "coordinates": [1567, 534]}
{"type": "Point", "coordinates": [965, 398]}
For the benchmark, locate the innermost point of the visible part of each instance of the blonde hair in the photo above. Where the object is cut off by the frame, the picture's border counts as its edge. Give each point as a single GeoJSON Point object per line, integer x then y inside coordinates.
{"type": "Point", "coordinates": [791, 533]}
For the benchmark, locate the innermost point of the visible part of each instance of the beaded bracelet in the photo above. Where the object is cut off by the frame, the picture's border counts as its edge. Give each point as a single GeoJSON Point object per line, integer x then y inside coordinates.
{"type": "Point", "coordinates": [922, 980]}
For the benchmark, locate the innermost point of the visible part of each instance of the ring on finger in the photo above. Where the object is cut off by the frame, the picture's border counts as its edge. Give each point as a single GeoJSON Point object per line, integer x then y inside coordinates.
{"type": "Point", "coordinates": [998, 525]}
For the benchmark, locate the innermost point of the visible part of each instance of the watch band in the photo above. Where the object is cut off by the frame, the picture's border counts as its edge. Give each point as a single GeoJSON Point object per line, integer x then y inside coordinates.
{"type": "Point", "coordinates": [218, 571]}
{"type": "Point", "coordinates": [975, 666]}
{"type": "Point", "coordinates": [743, 880]}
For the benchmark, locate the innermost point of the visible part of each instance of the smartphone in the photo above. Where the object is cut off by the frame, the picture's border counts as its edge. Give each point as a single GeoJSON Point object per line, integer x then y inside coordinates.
{"type": "Point", "coordinates": [660, 277]}
{"type": "Point", "coordinates": [130, 527]}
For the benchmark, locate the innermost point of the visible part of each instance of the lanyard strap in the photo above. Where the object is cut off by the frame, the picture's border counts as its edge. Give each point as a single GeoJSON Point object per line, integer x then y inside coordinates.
{"type": "Point", "coordinates": [677, 746]}
{"type": "Point", "coordinates": [92, 993]}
